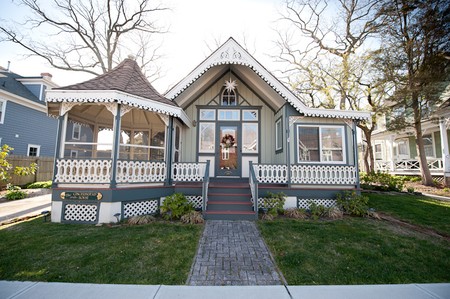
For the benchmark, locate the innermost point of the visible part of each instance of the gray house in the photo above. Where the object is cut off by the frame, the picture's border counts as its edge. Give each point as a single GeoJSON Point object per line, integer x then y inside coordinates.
{"type": "Point", "coordinates": [225, 135]}
{"type": "Point", "coordinates": [24, 123]}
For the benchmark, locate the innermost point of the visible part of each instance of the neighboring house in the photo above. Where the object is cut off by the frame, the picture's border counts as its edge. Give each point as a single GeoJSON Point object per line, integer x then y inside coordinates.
{"type": "Point", "coordinates": [24, 123]}
{"type": "Point", "coordinates": [396, 152]}
{"type": "Point", "coordinates": [225, 135]}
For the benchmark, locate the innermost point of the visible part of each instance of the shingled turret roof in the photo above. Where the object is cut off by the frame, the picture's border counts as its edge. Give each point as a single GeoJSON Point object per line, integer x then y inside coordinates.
{"type": "Point", "coordinates": [126, 77]}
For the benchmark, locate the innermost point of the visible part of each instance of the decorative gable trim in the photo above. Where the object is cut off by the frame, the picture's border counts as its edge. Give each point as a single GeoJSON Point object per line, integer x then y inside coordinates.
{"type": "Point", "coordinates": [232, 53]}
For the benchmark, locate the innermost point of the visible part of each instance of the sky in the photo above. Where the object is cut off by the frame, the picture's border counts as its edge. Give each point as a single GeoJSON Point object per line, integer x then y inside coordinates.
{"type": "Point", "coordinates": [195, 25]}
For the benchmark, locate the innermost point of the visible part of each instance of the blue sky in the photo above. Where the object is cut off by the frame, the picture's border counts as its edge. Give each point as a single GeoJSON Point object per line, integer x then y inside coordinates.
{"type": "Point", "coordinates": [194, 24]}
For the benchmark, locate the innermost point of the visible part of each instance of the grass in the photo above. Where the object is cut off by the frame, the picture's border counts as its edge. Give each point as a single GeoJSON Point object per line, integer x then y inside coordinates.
{"type": "Point", "coordinates": [157, 253]}
{"type": "Point", "coordinates": [354, 251]}
{"type": "Point", "coordinates": [419, 210]}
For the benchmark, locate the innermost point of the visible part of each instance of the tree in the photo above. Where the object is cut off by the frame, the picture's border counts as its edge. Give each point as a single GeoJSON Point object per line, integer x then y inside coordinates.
{"type": "Point", "coordinates": [324, 66]}
{"type": "Point", "coordinates": [416, 43]}
{"type": "Point", "coordinates": [88, 35]}
{"type": "Point", "coordinates": [6, 167]}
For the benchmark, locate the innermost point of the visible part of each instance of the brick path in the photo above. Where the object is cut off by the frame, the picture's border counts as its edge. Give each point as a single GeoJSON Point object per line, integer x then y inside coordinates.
{"type": "Point", "coordinates": [233, 253]}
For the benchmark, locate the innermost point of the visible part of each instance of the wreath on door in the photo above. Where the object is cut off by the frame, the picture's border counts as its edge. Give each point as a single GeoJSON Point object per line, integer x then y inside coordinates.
{"type": "Point", "coordinates": [227, 141]}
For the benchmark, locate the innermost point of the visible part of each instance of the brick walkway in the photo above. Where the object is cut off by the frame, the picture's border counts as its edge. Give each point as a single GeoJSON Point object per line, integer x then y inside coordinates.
{"type": "Point", "coordinates": [233, 253]}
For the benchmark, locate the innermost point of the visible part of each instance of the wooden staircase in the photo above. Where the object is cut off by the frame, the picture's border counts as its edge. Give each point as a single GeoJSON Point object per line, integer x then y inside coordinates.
{"type": "Point", "coordinates": [229, 201]}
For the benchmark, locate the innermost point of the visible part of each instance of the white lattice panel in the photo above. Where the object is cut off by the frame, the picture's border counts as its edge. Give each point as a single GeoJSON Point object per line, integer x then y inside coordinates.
{"type": "Point", "coordinates": [83, 171]}
{"type": "Point", "coordinates": [305, 203]}
{"type": "Point", "coordinates": [188, 172]}
{"type": "Point", "coordinates": [80, 212]}
{"type": "Point", "coordinates": [138, 208]}
{"type": "Point", "coordinates": [273, 173]}
{"type": "Point", "coordinates": [327, 175]}
{"type": "Point", "coordinates": [197, 200]}
{"type": "Point", "coordinates": [140, 171]}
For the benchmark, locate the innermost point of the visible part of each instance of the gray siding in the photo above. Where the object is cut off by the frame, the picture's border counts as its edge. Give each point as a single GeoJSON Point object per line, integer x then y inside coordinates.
{"type": "Point", "coordinates": [35, 89]}
{"type": "Point", "coordinates": [31, 127]}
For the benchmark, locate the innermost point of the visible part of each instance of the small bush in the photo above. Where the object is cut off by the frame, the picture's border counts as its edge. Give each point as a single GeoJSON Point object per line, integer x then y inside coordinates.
{"type": "Point", "coordinates": [142, 219]}
{"type": "Point", "coordinates": [40, 185]}
{"type": "Point", "coordinates": [317, 211]}
{"type": "Point", "coordinates": [382, 181]}
{"type": "Point", "coordinates": [14, 193]}
{"type": "Point", "coordinates": [352, 204]}
{"type": "Point", "coordinates": [334, 213]}
{"type": "Point", "coordinates": [410, 189]}
{"type": "Point", "coordinates": [295, 213]}
{"type": "Point", "coordinates": [192, 217]}
{"type": "Point", "coordinates": [267, 217]}
{"type": "Point", "coordinates": [274, 203]}
{"type": "Point", "coordinates": [175, 206]}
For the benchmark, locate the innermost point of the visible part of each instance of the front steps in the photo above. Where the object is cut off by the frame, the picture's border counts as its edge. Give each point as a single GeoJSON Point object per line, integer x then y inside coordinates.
{"type": "Point", "coordinates": [229, 201]}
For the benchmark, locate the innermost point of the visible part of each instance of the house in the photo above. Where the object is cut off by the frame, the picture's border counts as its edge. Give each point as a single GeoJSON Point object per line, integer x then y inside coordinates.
{"type": "Point", "coordinates": [396, 152]}
{"type": "Point", "coordinates": [24, 124]}
{"type": "Point", "coordinates": [225, 135]}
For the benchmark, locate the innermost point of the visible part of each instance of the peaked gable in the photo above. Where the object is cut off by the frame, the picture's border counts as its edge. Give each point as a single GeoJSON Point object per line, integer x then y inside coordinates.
{"type": "Point", "coordinates": [232, 53]}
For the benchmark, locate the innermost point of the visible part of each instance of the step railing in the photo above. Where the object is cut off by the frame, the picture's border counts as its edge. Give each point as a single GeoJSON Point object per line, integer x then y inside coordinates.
{"type": "Point", "coordinates": [205, 186]}
{"type": "Point", "coordinates": [253, 181]}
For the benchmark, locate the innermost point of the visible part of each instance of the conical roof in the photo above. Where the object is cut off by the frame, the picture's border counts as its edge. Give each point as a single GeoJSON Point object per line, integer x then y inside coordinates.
{"type": "Point", "coordinates": [126, 77]}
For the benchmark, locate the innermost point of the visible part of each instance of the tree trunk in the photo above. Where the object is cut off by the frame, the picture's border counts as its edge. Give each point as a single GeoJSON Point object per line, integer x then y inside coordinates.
{"type": "Point", "coordinates": [369, 161]}
{"type": "Point", "coordinates": [427, 179]}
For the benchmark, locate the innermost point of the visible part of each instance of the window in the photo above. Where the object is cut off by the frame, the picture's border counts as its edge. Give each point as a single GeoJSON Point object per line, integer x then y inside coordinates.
{"type": "Point", "coordinates": [320, 144]}
{"type": "Point", "coordinates": [428, 145]}
{"type": "Point", "coordinates": [278, 135]}
{"type": "Point", "coordinates": [378, 153]}
{"type": "Point", "coordinates": [229, 114]}
{"type": "Point", "coordinates": [207, 114]}
{"type": "Point", "coordinates": [76, 131]}
{"type": "Point", "coordinates": [249, 137]}
{"type": "Point", "coordinates": [2, 110]}
{"type": "Point", "coordinates": [229, 97]}
{"type": "Point", "coordinates": [402, 146]}
{"type": "Point", "coordinates": [74, 154]}
{"type": "Point", "coordinates": [250, 115]}
{"type": "Point", "coordinates": [33, 150]}
{"type": "Point", "coordinates": [207, 133]}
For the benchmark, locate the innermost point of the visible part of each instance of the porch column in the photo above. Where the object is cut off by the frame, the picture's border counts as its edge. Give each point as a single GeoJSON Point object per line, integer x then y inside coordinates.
{"type": "Point", "coordinates": [445, 151]}
{"type": "Point", "coordinates": [355, 154]}
{"type": "Point", "coordinates": [116, 145]}
{"type": "Point", "coordinates": [169, 149]}
{"type": "Point", "coordinates": [391, 150]}
{"type": "Point", "coordinates": [60, 138]}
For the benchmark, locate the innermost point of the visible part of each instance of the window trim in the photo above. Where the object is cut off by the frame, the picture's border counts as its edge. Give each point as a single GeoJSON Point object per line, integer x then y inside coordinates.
{"type": "Point", "coordinates": [433, 146]}
{"type": "Point", "coordinates": [375, 152]}
{"type": "Point", "coordinates": [320, 127]}
{"type": "Point", "coordinates": [278, 147]}
{"type": "Point", "coordinates": [75, 125]}
{"type": "Point", "coordinates": [200, 150]}
{"type": "Point", "coordinates": [38, 150]}
{"type": "Point", "coordinates": [228, 98]}
{"type": "Point", "coordinates": [243, 136]}
{"type": "Point", "coordinates": [3, 110]}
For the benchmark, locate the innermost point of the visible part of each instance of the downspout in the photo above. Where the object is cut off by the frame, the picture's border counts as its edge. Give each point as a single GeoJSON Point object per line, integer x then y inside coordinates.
{"type": "Point", "coordinates": [355, 155]}
{"type": "Point", "coordinates": [169, 149]}
{"type": "Point", "coordinates": [116, 144]}
{"type": "Point", "coordinates": [60, 138]}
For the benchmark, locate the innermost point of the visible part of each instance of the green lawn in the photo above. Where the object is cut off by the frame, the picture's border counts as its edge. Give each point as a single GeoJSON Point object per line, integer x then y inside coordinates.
{"type": "Point", "coordinates": [419, 210]}
{"type": "Point", "coordinates": [354, 251]}
{"type": "Point", "coordinates": [157, 253]}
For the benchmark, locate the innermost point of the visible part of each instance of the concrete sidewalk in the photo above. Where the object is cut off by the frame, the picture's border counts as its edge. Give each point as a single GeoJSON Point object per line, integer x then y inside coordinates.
{"type": "Point", "coordinates": [24, 207]}
{"type": "Point", "coordinates": [53, 290]}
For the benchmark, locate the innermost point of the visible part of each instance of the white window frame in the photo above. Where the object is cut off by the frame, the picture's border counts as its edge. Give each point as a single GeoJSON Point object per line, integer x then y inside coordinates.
{"type": "Point", "coordinates": [235, 111]}
{"type": "Point", "coordinates": [72, 152]}
{"type": "Point", "coordinates": [75, 125]}
{"type": "Point", "coordinates": [200, 150]}
{"type": "Point", "coordinates": [3, 110]}
{"type": "Point", "coordinates": [433, 147]}
{"type": "Point", "coordinates": [278, 124]}
{"type": "Point", "coordinates": [378, 155]}
{"type": "Point", "coordinates": [343, 137]}
{"type": "Point", "coordinates": [38, 151]}
{"type": "Point", "coordinates": [257, 138]}
{"type": "Point", "coordinates": [406, 142]}
{"type": "Point", "coordinates": [206, 111]}
{"type": "Point", "coordinates": [250, 110]}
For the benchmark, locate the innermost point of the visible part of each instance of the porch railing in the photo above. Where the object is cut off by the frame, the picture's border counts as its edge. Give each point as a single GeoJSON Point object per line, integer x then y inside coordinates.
{"type": "Point", "coordinates": [188, 172]}
{"type": "Point", "coordinates": [253, 181]}
{"type": "Point", "coordinates": [83, 170]}
{"type": "Point", "coordinates": [129, 171]}
{"type": "Point", "coordinates": [408, 165]}
{"type": "Point", "coordinates": [205, 186]}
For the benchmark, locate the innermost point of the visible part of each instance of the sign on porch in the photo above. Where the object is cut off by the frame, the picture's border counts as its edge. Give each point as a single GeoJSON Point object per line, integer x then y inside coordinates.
{"type": "Point", "coordinates": [84, 195]}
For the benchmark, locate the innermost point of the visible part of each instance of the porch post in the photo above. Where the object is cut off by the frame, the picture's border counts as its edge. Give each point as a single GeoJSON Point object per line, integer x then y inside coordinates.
{"type": "Point", "coordinates": [169, 148]}
{"type": "Point", "coordinates": [288, 149]}
{"type": "Point", "coordinates": [116, 145]}
{"type": "Point", "coordinates": [391, 149]}
{"type": "Point", "coordinates": [445, 151]}
{"type": "Point", "coordinates": [60, 138]}
{"type": "Point", "coordinates": [355, 154]}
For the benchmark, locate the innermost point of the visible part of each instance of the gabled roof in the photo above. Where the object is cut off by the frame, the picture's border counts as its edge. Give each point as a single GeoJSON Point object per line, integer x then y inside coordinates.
{"type": "Point", "coordinates": [10, 83]}
{"type": "Point", "coordinates": [125, 84]}
{"type": "Point", "coordinates": [232, 53]}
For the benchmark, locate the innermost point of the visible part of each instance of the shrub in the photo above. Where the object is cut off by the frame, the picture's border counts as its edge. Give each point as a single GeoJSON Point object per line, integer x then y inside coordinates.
{"type": "Point", "coordinates": [317, 211]}
{"type": "Point", "coordinates": [352, 204]}
{"type": "Point", "coordinates": [410, 189]}
{"type": "Point", "coordinates": [334, 213]}
{"type": "Point", "coordinates": [268, 217]}
{"type": "Point", "coordinates": [142, 219]}
{"type": "Point", "coordinates": [274, 203]}
{"type": "Point", "coordinates": [39, 185]}
{"type": "Point", "coordinates": [295, 213]}
{"type": "Point", "coordinates": [14, 193]}
{"type": "Point", "coordinates": [175, 206]}
{"type": "Point", "coordinates": [192, 217]}
{"type": "Point", "coordinates": [382, 181]}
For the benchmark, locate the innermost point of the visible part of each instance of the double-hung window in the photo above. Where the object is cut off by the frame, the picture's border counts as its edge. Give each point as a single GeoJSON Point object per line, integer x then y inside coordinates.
{"type": "Point", "coordinates": [324, 144]}
{"type": "Point", "coordinates": [2, 110]}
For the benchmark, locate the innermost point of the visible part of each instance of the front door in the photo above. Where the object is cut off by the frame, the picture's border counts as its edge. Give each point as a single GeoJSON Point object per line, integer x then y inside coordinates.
{"type": "Point", "coordinates": [228, 156]}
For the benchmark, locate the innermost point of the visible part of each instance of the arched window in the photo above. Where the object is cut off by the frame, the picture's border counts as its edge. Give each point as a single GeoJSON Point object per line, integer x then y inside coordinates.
{"type": "Point", "coordinates": [229, 97]}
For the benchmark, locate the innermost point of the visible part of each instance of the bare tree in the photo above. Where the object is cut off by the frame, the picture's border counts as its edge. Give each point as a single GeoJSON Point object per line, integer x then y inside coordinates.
{"type": "Point", "coordinates": [416, 43]}
{"type": "Point", "coordinates": [88, 35]}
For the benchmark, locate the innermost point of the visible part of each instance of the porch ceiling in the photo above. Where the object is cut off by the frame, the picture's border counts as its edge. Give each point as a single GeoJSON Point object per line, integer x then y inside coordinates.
{"type": "Point", "coordinates": [245, 73]}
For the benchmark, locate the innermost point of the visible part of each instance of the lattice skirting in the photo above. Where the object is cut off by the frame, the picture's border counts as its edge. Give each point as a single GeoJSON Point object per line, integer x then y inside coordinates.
{"type": "Point", "coordinates": [81, 212]}
{"type": "Point", "coordinates": [196, 200]}
{"type": "Point", "coordinates": [304, 203]}
{"type": "Point", "coordinates": [138, 208]}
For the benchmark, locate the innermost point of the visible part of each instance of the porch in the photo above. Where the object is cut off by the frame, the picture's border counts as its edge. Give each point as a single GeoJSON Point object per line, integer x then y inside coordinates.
{"type": "Point", "coordinates": [410, 166]}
